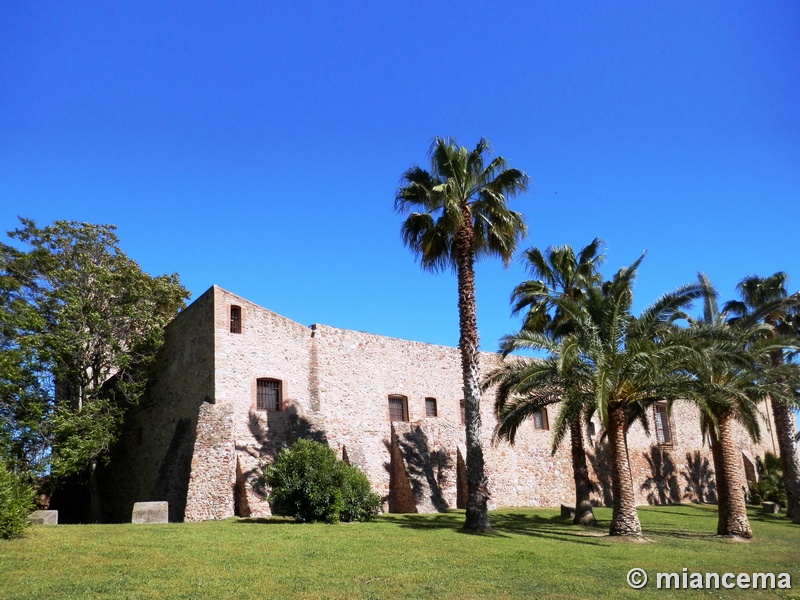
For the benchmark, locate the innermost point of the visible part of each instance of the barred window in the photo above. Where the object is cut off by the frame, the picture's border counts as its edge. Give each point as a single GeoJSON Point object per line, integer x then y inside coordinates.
{"type": "Point", "coordinates": [268, 395]}
{"type": "Point", "coordinates": [663, 430]}
{"type": "Point", "coordinates": [398, 408]}
{"type": "Point", "coordinates": [540, 419]}
{"type": "Point", "coordinates": [430, 407]}
{"type": "Point", "coordinates": [236, 319]}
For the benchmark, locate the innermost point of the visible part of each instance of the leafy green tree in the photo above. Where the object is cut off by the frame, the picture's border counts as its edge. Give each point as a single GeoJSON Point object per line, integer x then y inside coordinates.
{"type": "Point", "coordinates": [308, 483]}
{"type": "Point", "coordinates": [458, 213]}
{"type": "Point", "coordinates": [756, 293]}
{"type": "Point", "coordinates": [24, 403]}
{"type": "Point", "coordinates": [559, 274]}
{"type": "Point", "coordinates": [87, 324]}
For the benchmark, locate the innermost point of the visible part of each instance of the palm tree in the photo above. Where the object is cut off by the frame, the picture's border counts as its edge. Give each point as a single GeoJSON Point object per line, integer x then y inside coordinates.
{"type": "Point", "coordinates": [559, 274]}
{"type": "Point", "coordinates": [458, 213]}
{"type": "Point", "coordinates": [726, 382]}
{"type": "Point", "coordinates": [630, 361]}
{"type": "Point", "coordinates": [757, 293]}
{"type": "Point", "coordinates": [524, 387]}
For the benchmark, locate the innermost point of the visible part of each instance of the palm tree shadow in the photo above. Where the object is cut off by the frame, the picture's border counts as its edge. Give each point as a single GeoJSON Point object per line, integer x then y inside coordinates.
{"type": "Point", "coordinates": [662, 484]}
{"type": "Point", "coordinates": [699, 478]}
{"type": "Point", "coordinates": [507, 524]}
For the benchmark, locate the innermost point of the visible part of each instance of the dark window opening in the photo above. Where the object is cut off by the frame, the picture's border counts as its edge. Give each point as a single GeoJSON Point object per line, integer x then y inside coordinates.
{"type": "Point", "coordinates": [268, 395]}
{"type": "Point", "coordinates": [592, 429]}
{"type": "Point", "coordinates": [430, 407]}
{"type": "Point", "coordinates": [663, 431]}
{"type": "Point", "coordinates": [398, 408]}
{"type": "Point", "coordinates": [540, 419]}
{"type": "Point", "coordinates": [236, 319]}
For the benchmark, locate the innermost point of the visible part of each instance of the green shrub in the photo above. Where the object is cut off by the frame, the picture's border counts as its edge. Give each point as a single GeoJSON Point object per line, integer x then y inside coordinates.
{"type": "Point", "coordinates": [309, 484]}
{"type": "Point", "coordinates": [16, 502]}
{"type": "Point", "coordinates": [359, 502]}
{"type": "Point", "coordinates": [769, 487]}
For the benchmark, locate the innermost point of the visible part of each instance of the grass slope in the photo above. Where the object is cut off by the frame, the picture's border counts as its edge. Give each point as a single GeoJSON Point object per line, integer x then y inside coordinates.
{"type": "Point", "coordinates": [533, 554]}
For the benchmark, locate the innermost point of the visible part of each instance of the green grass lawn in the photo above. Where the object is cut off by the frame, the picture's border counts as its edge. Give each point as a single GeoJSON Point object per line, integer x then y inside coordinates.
{"type": "Point", "coordinates": [532, 554]}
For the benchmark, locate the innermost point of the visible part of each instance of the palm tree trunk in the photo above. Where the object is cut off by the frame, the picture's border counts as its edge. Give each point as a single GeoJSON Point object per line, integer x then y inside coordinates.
{"type": "Point", "coordinates": [584, 515]}
{"type": "Point", "coordinates": [477, 517]}
{"type": "Point", "coordinates": [624, 519]}
{"type": "Point", "coordinates": [732, 521]}
{"type": "Point", "coordinates": [785, 432]}
{"type": "Point", "coordinates": [723, 502]}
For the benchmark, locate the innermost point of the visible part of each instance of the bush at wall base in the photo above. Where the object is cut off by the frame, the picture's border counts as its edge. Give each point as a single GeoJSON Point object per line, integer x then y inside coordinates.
{"type": "Point", "coordinates": [16, 503]}
{"type": "Point", "coordinates": [308, 483]}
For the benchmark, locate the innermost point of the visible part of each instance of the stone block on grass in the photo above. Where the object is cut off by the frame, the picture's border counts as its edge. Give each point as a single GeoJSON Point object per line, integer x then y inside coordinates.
{"type": "Point", "coordinates": [567, 511]}
{"type": "Point", "coordinates": [150, 512]}
{"type": "Point", "coordinates": [770, 508]}
{"type": "Point", "coordinates": [44, 517]}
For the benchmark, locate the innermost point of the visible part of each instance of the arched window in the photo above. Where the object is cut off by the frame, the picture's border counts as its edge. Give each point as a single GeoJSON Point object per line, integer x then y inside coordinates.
{"type": "Point", "coordinates": [540, 419]}
{"type": "Point", "coordinates": [430, 407]}
{"type": "Point", "coordinates": [663, 429]}
{"type": "Point", "coordinates": [269, 395]}
{"type": "Point", "coordinates": [398, 408]}
{"type": "Point", "coordinates": [236, 319]}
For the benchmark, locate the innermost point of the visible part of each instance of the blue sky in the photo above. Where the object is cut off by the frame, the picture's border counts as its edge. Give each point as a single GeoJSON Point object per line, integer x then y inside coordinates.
{"type": "Point", "coordinates": [259, 146]}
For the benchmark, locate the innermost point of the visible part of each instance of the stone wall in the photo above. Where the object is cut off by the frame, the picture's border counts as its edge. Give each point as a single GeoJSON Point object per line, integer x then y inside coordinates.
{"type": "Point", "coordinates": [239, 439]}
{"type": "Point", "coordinates": [335, 387]}
{"type": "Point", "coordinates": [153, 459]}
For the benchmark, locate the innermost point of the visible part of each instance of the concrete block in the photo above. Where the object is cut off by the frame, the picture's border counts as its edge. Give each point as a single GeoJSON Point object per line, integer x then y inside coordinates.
{"type": "Point", "coordinates": [770, 507]}
{"type": "Point", "coordinates": [567, 511]}
{"type": "Point", "coordinates": [150, 512]}
{"type": "Point", "coordinates": [44, 517]}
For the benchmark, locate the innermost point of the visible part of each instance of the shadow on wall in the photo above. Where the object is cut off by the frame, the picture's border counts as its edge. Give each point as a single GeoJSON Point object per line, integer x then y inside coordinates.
{"type": "Point", "coordinates": [662, 484]}
{"type": "Point", "coordinates": [279, 430]}
{"type": "Point", "coordinates": [699, 478]}
{"type": "Point", "coordinates": [417, 474]}
{"type": "Point", "coordinates": [172, 481]}
{"type": "Point", "coordinates": [600, 460]}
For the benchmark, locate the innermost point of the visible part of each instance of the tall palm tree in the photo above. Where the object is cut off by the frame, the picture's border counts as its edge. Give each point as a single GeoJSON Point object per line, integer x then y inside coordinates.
{"type": "Point", "coordinates": [457, 213]}
{"type": "Point", "coordinates": [559, 273]}
{"type": "Point", "coordinates": [726, 381]}
{"type": "Point", "coordinates": [756, 293]}
{"type": "Point", "coordinates": [630, 361]}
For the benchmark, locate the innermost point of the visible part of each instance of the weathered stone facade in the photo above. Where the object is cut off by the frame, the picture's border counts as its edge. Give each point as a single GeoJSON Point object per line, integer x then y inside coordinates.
{"type": "Point", "coordinates": [199, 440]}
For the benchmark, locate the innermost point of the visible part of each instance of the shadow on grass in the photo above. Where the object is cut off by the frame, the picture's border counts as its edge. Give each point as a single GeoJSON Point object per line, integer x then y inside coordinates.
{"type": "Point", "coordinates": [682, 510]}
{"type": "Point", "coordinates": [755, 513]}
{"type": "Point", "coordinates": [267, 521]}
{"type": "Point", "coordinates": [504, 524]}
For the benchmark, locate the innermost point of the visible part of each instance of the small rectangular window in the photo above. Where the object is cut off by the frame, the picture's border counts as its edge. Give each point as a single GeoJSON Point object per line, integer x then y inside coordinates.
{"type": "Point", "coordinates": [540, 419]}
{"type": "Point", "coordinates": [663, 431]}
{"type": "Point", "coordinates": [398, 408]}
{"type": "Point", "coordinates": [430, 407]}
{"type": "Point", "coordinates": [268, 395]}
{"type": "Point", "coordinates": [236, 319]}
{"type": "Point", "coordinates": [463, 412]}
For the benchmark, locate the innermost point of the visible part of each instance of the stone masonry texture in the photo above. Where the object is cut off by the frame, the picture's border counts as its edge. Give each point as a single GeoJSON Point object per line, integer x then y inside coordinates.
{"type": "Point", "coordinates": [199, 441]}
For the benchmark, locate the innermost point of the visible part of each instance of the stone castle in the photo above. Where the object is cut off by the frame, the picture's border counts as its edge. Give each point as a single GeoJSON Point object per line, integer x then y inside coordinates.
{"type": "Point", "coordinates": [235, 383]}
